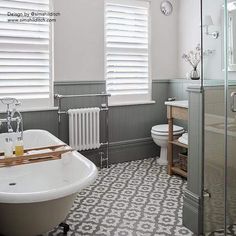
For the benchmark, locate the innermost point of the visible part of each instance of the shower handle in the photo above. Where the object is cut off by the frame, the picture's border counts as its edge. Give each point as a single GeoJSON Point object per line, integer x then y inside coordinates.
{"type": "Point", "coordinates": [233, 96]}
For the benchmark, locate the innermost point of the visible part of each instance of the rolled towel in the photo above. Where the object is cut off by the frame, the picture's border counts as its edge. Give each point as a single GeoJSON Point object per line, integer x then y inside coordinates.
{"type": "Point", "coordinates": [183, 140]}
{"type": "Point", "coordinates": [39, 151]}
{"type": "Point", "coordinates": [185, 136]}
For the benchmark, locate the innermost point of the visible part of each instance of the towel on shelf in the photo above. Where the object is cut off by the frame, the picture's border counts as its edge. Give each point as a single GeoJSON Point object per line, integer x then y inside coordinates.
{"type": "Point", "coordinates": [39, 151]}
{"type": "Point", "coordinates": [183, 139]}
{"type": "Point", "coordinates": [185, 136]}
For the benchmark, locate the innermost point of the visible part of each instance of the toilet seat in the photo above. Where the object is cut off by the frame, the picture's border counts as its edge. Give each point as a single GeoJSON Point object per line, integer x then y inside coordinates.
{"type": "Point", "coordinates": [166, 134]}
{"type": "Point", "coordinates": [164, 130]}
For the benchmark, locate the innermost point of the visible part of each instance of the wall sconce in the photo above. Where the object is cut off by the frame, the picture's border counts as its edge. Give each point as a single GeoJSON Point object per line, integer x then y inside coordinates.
{"type": "Point", "coordinates": [208, 22]}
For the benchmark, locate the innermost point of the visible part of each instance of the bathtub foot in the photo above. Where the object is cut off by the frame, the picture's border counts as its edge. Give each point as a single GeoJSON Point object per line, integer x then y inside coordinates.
{"type": "Point", "coordinates": [65, 227]}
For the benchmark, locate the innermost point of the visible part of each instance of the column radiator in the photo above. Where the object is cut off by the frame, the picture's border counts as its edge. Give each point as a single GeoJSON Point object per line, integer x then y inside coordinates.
{"type": "Point", "coordinates": [84, 128]}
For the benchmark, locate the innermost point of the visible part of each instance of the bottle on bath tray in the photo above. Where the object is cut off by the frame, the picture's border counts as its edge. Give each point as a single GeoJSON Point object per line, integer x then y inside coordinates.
{"type": "Point", "coordinates": [19, 147]}
{"type": "Point", "coordinates": [8, 148]}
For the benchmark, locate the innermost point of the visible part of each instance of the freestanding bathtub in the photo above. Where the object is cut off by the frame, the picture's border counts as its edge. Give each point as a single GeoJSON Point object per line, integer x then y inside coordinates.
{"type": "Point", "coordinates": [34, 198]}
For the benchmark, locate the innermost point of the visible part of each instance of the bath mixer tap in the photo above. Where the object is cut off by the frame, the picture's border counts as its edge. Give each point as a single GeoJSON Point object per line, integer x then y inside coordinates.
{"type": "Point", "coordinates": [19, 121]}
{"type": "Point", "coordinates": [10, 115]}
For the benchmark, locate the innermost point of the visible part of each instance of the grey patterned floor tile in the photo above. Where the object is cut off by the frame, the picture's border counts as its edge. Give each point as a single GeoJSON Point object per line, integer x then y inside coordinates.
{"type": "Point", "coordinates": [135, 198]}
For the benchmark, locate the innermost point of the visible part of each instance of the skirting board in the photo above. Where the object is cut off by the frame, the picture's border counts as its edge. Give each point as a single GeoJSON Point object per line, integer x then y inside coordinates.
{"type": "Point", "coordinates": [128, 150]}
{"type": "Point", "coordinates": [192, 216]}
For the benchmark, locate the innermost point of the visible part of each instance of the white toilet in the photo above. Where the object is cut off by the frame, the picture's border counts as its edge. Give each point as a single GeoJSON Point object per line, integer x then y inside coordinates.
{"type": "Point", "coordinates": [160, 137]}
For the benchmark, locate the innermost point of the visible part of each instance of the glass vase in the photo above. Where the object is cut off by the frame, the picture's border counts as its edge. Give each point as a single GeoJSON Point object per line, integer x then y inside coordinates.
{"type": "Point", "coordinates": [194, 75]}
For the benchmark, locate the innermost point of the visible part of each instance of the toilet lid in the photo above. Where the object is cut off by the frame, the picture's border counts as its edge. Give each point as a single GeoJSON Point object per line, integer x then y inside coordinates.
{"type": "Point", "coordinates": [164, 129]}
{"type": "Point", "coordinates": [166, 134]}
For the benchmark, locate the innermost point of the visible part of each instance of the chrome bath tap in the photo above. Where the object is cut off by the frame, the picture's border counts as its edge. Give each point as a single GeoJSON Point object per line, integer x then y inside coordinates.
{"type": "Point", "coordinates": [11, 115]}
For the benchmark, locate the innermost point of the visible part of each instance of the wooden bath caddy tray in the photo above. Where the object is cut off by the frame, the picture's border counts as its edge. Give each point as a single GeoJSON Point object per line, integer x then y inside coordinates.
{"type": "Point", "coordinates": [29, 158]}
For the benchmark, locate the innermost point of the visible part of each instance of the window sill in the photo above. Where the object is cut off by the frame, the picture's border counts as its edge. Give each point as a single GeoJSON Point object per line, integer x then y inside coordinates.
{"type": "Point", "coordinates": [131, 103]}
{"type": "Point", "coordinates": [34, 109]}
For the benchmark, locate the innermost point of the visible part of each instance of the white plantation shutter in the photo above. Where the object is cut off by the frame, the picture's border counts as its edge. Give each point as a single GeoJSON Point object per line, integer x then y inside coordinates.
{"type": "Point", "coordinates": [25, 54]}
{"type": "Point", "coordinates": [127, 50]}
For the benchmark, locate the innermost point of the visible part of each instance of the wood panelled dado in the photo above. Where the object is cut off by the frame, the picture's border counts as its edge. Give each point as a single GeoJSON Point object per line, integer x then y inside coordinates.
{"type": "Point", "coordinates": [130, 126]}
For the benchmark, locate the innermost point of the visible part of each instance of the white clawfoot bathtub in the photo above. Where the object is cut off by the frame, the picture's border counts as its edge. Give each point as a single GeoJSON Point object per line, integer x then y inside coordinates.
{"type": "Point", "coordinates": [34, 198]}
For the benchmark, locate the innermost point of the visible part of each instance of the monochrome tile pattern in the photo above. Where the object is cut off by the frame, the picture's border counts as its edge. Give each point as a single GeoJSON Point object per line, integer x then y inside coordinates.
{"type": "Point", "coordinates": [214, 206]}
{"type": "Point", "coordinates": [135, 198]}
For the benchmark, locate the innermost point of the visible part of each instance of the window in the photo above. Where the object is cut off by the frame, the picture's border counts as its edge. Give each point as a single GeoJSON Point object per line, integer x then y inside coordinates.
{"type": "Point", "coordinates": [25, 52]}
{"type": "Point", "coordinates": [127, 51]}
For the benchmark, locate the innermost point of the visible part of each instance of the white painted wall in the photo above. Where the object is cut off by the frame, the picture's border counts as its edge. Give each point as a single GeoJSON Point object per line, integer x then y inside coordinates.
{"type": "Point", "coordinates": [189, 36]}
{"type": "Point", "coordinates": [164, 41]}
{"type": "Point", "coordinates": [189, 32]}
{"type": "Point", "coordinates": [213, 63]}
{"type": "Point", "coordinates": [79, 40]}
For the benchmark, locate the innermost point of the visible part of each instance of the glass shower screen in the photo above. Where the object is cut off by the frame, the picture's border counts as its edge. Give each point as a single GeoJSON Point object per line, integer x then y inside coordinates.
{"type": "Point", "coordinates": [219, 77]}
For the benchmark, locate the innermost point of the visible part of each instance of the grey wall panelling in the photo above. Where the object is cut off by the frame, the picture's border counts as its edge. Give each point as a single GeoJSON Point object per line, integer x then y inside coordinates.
{"type": "Point", "coordinates": [37, 120]}
{"type": "Point", "coordinates": [130, 126]}
{"type": "Point", "coordinates": [192, 210]}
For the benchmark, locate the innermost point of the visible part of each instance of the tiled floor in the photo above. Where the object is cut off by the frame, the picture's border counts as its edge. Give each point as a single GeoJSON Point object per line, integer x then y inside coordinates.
{"type": "Point", "coordinates": [129, 199]}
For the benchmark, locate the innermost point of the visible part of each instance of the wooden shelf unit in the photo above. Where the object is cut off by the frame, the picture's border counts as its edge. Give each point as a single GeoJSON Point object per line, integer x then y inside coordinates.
{"type": "Point", "coordinates": [177, 143]}
{"type": "Point", "coordinates": [177, 170]}
{"type": "Point", "coordinates": [175, 112]}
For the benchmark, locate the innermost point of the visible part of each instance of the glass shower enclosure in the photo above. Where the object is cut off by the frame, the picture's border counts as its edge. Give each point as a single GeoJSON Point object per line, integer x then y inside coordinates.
{"type": "Point", "coordinates": [219, 111]}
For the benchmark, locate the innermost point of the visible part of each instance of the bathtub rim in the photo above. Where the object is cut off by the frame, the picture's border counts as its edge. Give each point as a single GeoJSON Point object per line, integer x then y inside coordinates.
{"type": "Point", "coordinates": [65, 190]}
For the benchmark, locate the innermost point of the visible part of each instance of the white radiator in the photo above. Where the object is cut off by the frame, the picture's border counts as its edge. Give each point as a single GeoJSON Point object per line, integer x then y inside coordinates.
{"type": "Point", "coordinates": [84, 128]}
